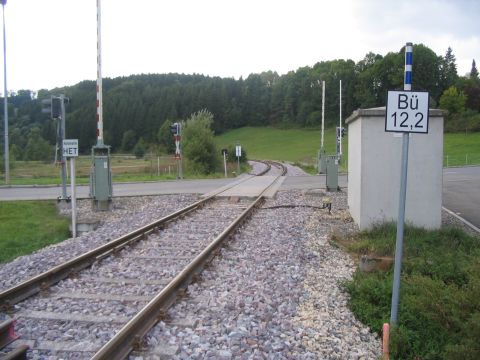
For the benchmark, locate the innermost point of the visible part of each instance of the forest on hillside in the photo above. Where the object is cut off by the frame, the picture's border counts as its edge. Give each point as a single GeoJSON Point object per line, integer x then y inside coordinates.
{"type": "Point", "coordinates": [139, 108]}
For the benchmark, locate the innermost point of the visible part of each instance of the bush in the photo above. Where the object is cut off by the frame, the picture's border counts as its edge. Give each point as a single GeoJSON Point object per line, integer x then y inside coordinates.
{"type": "Point", "coordinates": [439, 308]}
{"type": "Point", "coordinates": [198, 143]}
{"type": "Point", "coordinates": [139, 149]}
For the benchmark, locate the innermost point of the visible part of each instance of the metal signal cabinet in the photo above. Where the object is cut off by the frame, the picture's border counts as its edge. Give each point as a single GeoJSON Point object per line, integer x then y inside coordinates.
{"type": "Point", "coordinates": [101, 177]}
{"type": "Point", "coordinates": [331, 166]}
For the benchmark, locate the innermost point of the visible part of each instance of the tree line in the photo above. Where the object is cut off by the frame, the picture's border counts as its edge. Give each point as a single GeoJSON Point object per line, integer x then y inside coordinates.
{"type": "Point", "coordinates": [138, 109]}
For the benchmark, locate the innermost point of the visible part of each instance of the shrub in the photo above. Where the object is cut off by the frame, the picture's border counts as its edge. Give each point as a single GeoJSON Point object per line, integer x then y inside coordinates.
{"type": "Point", "coordinates": [439, 312]}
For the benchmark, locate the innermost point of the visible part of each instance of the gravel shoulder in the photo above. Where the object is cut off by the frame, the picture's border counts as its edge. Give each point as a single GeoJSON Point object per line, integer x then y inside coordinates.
{"type": "Point", "coordinates": [273, 293]}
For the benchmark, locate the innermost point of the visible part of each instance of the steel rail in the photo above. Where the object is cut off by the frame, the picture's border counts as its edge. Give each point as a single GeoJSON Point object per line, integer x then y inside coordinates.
{"type": "Point", "coordinates": [40, 282]}
{"type": "Point", "coordinates": [280, 165]}
{"type": "Point", "coordinates": [267, 169]}
{"type": "Point", "coordinates": [120, 346]}
{"type": "Point", "coordinates": [19, 353]}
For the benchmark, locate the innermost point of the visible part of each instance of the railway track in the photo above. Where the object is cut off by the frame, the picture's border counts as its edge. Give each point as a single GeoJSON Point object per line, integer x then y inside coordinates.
{"type": "Point", "coordinates": [271, 168]}
{"type": "Point", "coordinates": [119, 290]}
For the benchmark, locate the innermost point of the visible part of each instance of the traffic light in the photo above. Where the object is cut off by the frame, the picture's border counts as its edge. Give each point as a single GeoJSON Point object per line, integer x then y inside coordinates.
{"type": "Point", "coordinates": [56, 107]}
{"type": "Point", "coordinates": [341, 132]}
{"type": "Point", "coordinates": [53, 106]}
{"type": "Point", "coordinates": [174, 129]}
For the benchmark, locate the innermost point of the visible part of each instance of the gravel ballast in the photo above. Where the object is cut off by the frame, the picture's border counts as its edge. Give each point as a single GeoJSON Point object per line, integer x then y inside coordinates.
{"type": "Point", "coordinates": [127, 214]}
{"type": "Point", "coordinates": [274, 292]}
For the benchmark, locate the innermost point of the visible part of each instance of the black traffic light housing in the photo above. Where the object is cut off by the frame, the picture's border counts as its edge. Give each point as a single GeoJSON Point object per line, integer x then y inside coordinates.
{"type": "Point", "coordinates": [341, 132]}
{"type": "Point", "coordinates": [174, 129]}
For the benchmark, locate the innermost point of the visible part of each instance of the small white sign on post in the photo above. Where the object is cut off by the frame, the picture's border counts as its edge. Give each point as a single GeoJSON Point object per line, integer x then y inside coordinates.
{"type": "Point", "coordinates": [70, 150]}
{"type": "Point", "coordinates": [407, 111]}
{"type": "Point", "coordinates": [70, 147]}
{"type": "Point", "coordinates": [238, 151]}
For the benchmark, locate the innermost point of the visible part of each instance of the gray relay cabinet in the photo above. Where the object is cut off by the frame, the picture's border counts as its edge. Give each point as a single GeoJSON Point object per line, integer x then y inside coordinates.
{"type": "Point", "coordinates": [101, 176]}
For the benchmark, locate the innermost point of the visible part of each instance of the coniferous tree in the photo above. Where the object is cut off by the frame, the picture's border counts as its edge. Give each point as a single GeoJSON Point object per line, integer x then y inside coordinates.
{"type": "Point", "coordinates": [474, 71]}
{"type": "Point", "coordinates": [448, 69]}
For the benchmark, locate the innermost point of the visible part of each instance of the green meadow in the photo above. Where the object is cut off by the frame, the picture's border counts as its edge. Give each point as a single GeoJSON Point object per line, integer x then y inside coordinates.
{"type": "Point", "coordinates": [26, 226]}
{"type": "Point", "coordinates": [302, 145]}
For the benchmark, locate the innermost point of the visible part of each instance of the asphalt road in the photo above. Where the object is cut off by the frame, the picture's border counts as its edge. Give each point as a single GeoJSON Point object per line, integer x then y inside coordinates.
{"type": "Point", "coordinates": [461, 192]}
{"type": "Point", "coordinates": [461, 189]}
{"type": "Point", "coordinates": [119, 189]}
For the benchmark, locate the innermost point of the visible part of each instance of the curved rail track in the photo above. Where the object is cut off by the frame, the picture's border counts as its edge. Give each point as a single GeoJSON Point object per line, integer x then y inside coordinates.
{"type": "Point", "coordinates": [121, 289]}
{"type": "Point", "coordinates": [268, 168]}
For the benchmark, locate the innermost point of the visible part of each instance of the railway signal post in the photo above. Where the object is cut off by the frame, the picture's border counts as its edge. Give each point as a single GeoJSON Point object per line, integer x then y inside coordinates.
{"type": "Point", "coordinates": [100, 174]}
{"type": "Point", "coordinates": [55, 106]}
{"type": "Point", "coordinates": [176, 130]}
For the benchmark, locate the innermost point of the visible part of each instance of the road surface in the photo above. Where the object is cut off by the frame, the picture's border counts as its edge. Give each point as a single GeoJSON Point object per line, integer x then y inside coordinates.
{"type": "Point", "coordinates": [461, 189]}
{"type": "Point", "coordinates": [461, 192]}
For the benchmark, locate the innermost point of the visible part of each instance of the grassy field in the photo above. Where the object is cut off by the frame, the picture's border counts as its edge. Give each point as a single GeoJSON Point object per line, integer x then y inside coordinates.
{"type": "Point", "coordinates": [124, 168]}
{"type": "Point", "coordinates": [461, 149]}
{"type": "Point", "coordinates": [301, 145]}
{"type": "Point", "coordinates": [294, 145]}
{"type": "Point", "coordinates": [439, 313]}
{"type": "Point", "coordinates": [26, 226]}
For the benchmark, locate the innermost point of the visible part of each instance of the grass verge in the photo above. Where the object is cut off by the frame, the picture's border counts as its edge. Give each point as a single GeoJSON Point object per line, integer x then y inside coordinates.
{"type": "Point", "coordinates": [439, 313]}
{"type": "Point", "coordinates": [26, 226]}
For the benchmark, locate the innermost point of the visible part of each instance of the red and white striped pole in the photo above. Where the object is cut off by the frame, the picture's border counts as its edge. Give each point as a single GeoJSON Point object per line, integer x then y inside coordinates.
{"type": "Point", "coordinates": [99, 76]}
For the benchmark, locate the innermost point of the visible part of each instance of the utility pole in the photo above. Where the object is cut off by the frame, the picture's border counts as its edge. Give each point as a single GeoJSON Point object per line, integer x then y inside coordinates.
{"type": "Point", "coordinates": [340, 124]}
{"type": "Point", "coordinates": [5, 99]}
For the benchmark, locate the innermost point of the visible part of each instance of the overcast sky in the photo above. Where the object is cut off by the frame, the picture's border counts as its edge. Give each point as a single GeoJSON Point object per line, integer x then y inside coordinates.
{"type": "Point", "coordinates": [52, 43]}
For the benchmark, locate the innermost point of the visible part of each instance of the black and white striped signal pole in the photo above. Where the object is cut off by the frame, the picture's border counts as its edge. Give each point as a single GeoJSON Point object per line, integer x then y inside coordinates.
{"type": "Point", "coordinates": [407, 86]}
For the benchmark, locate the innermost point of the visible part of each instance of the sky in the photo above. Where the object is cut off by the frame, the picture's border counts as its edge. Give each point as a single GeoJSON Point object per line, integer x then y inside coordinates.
{"type": "Point", "coordinates": [53, 43]}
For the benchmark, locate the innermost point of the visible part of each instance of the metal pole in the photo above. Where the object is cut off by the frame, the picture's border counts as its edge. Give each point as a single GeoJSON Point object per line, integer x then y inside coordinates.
{"type": "Point", "coordinates": [5, 100]}
{"type": "Point", "coordinates": [225, 163]}
{"type": "Point", "coordinates": [401, 200]}
{"type": "Point", "coordinates": [74, 197]}
{"type": "Point", "coordinates": [64, 160]}
{"type": "Point", "coordinates": [180, 150]}
{"type": "Point", "coordinates": [323, 113]}
{"type": "Point", "coordinates": [340, 122]}
{"type": "Point", "coordinates": [99, 76]}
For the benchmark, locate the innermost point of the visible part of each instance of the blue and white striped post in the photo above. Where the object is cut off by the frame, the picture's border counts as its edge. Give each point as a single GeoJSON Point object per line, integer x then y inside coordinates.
{"type": "Point", "coordinates": [407, 86]}
{"type": "Point", "coordinates": [407, 83]}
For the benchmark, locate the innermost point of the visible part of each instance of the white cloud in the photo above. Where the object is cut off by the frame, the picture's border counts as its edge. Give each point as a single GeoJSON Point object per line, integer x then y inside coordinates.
{"type": "Point", "coordinates": [53, 43]}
